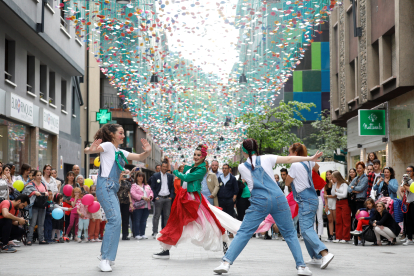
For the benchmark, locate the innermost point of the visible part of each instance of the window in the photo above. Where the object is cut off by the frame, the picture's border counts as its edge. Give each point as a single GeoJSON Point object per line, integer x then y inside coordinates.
{"type": "Point", "coordinates": [73, 99]}
{"type": "Point", "coordinates": [43, 82]}
{"type": "Point", "coordinates": [63, 95]}
{"type": "Point", "coordinates": [63, 23]}
{"type": "Point", "coordinates": [52, 81]}
{"type": "Point", "coordinates": [30, 74]}
{"type": "Point", "coordinates": [9, 57]}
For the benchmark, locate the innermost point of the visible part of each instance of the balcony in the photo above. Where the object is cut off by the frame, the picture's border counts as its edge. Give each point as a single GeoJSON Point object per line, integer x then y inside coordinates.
{"type": "Point", "coordinates": [113, 102]}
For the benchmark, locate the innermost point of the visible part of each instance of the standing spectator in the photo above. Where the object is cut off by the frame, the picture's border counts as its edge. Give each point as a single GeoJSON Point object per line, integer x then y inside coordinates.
{"type": "Point", "coordinates": [76, 170]}
{"type": "Point", "coordinates": [373, 178]}
{"type": "Point", "coordinates": [57, 224]}
{"type": "Point", "coordinates": [408, 197]}
{"type": "Point", "coordinates": [141, 197]}
{"type": "Point", "coordinates": [330, 206]}
{"type": "Point", "coordinates": [162, 185]}
{"type": "Point", "coordinates": [210, 186]}
{"type": "Point", "coordinates": [9, 221]}
{"type": "Point", "coordinates": [124, 196]}
{"type": "Point", "coordinates": [283, 174]}
{"type": "Point", "coordinates": [215, 168]}
{"type": "Point", "coordinates": [319, 214]}
{"type": "Point", "coordinates": [80, 180]}
{"type": "Point", "coordinates": [1, 167]}
{"type": "Point", "coordinates": [228, 191]}
{"type": "Point", "coordinates": [84, 217]}
{"type": "Point", "coordinates": [95, 221]}
{"type": "Point", "coordinates": [177, 181]}
{"type": "Point", "coordinates": [370, 169]}
{"type": "Point", "coordinates": [12, 171]}
{"type": "Point", "coordinates": [58, 181]}
{"type": "Point", "coordinates": [5, 182]}
{"type": "Point", "coordinates": [343, 212]}
{"type": "Point", "coordinates": [24, 173]}
{"type": "Point", "coordinates": [48, 180]}
{"type": "Point", "coordinates": [371, 157]}
{"type": "Point", "coordinates": [48, 218]}
{"type": "Point", "coordinates": [277, 179]}
{"type": "Point", "coordinates": [386, 186]}
{"type": "Point", "coordinates": [351, 175]}
{"type": "Point", "coordinates": [358, 189]}
{"type": "Point", "coordinates": [69, 180]}
{"type": "Point", "coordinates": [75, 201]}
{"type": "Point", "coordinates": [384, 225]}
{"type": "Point", "coordinates": [243, 196]}
{"type": "Point", "coordinates": [37, 192]}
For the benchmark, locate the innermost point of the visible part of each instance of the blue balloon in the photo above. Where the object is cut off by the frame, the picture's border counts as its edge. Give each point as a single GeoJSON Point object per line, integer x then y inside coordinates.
{"type": "Point", "coordinates": [57, 214]}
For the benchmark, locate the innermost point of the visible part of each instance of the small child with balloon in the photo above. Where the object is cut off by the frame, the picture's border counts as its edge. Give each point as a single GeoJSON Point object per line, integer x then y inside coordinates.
{"type": "Point", "coordinates": [57, 217]}
{"type": "Point", "coordinates": [84, 217]}
{"type": "Point", "coordinates": [74, 216]}
{"type": "Point", "coordinates": [364, 215]}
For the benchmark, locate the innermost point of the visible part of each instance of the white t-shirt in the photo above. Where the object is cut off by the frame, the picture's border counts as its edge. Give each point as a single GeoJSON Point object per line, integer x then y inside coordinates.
{"type": "Point", "coordinates": [300, 175]}
{"type": "Point", "coordinates": [108, 158]}
{"type": "Point", "coordinates": [267, 162]}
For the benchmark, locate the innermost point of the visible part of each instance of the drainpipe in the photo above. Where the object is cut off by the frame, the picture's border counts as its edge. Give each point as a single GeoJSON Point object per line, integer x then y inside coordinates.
{"type": "Point", "coordinates": [86, 161]}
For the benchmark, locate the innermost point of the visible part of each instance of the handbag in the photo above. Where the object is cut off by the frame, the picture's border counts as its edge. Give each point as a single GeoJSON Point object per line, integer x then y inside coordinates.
{"type": "Point", "coordinates": [140, 203]}
{"type": "Point", "coordinates": [40, 201]}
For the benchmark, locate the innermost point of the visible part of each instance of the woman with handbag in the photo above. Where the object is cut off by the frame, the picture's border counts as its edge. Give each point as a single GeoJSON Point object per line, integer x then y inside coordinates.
{"type": "Point", "coordinates": [124, 197]}
{"type": "Point", "coordinates": [141, 197]}
{"type": "Point", "coordinates": [37, 193]}
{"type": "Point", "coordinates": [358, 190]}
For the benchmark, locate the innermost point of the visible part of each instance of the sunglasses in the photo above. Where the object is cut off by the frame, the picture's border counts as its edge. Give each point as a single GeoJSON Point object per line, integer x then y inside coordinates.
{"type": "Point", "coordinates": [409, 171]}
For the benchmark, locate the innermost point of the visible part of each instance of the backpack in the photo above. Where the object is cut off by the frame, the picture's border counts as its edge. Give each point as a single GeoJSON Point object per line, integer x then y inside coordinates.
{"type": "Point", "coordinates": [3, 199]}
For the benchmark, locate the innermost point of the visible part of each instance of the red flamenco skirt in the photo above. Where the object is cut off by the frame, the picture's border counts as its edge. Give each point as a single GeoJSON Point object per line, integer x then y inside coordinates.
{"type": "Point", "coordinates": [191, 221]}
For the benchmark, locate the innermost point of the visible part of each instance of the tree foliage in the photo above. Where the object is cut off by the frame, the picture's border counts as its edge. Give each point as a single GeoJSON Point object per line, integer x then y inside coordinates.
{"type": "Point", "coordinates": [273, 128]}
{"type": "Point", "coordinates": [328, 137]}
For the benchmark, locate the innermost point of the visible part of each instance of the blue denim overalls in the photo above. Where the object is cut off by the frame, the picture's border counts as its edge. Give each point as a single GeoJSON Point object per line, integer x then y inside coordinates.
{"type": "Point", "coordinates": [106, 192]}
{"type": "Point", "coordinates": [308, 205]}
{"type": "Point", "coordinates": [266, 198]}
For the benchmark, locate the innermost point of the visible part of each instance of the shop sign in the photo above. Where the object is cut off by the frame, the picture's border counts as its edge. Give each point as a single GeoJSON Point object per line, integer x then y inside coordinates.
{"type": "Point", "coordinates": [371, 122]}
{"type": "Point", "coordinates": [19, 109]}
{"type": "Point", "coordinates": [49, 121]}
{"type": "Point", "coordinates": [103, 116]}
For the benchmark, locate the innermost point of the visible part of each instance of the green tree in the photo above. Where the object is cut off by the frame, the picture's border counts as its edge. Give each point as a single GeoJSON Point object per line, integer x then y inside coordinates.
{"type": "Point", "coordinates": [328, 137]}
{"type": "Point", "coordinates": [273, 128]}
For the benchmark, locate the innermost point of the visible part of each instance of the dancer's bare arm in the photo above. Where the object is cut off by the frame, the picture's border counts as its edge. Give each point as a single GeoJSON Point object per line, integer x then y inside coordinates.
{"type": "Point", "coordinates": [294, 159]}
{"type": "Point", "coordinates": [141, 156]}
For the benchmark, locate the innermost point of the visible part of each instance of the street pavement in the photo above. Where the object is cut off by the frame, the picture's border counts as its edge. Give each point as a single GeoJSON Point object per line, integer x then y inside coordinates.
{"type": "Point", "coordinates": [260, 257]}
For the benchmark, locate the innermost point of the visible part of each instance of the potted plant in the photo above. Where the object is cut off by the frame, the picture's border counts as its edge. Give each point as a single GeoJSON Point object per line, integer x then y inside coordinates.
{"type": "Point", "coordinates": [50, 100]}
{"type": "Point", "coordinates": [41, 95]}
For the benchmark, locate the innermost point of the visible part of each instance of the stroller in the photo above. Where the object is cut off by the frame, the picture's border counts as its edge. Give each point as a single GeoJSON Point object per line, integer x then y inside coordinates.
{"type": "Point", "coordinates": [367, 234]}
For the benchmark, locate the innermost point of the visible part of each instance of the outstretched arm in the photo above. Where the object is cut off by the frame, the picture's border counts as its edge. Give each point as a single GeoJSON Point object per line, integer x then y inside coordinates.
{"type": "Point", "coordinates": [294, 159]}
{"type": "Point", "coordinates": [95, 147]}
{"type": "Point", "coordinates": [141, 156]}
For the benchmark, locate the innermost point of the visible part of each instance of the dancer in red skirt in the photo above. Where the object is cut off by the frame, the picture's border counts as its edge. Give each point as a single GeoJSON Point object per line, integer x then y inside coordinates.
{"type": "Point", "coordinates": [191, 217]}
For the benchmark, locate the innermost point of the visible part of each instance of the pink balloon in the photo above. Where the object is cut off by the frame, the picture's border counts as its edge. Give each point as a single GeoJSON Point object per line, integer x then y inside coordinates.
{"type": "Point", "coordinates": [67, 190]}
{"type": "Point", "coordinates": [94, 207]}
{"type": "Point", "coordinates": [87, 199]}
{"type": "Point", "coordinates": [363, 214]}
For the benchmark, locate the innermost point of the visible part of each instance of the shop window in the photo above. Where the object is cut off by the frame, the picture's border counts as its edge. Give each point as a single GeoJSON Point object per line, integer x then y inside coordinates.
{"type": "Point", "coordinates": [14, 143]}
{"type": "Point", "coordinates": [30, 74]}
{"type": "Point", "coordinates": [52, 88]}
{"type": "Point", "coordinates": [63, 95]}
{"type": "Point", "coordinates": [9, 60]}
{"type": "Point", "coordinates": [43, 82]}
{"type": "Point", "coordinates": [45, 149]}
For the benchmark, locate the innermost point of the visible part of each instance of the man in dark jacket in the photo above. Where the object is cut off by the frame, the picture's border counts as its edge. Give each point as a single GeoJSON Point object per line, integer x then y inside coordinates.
{"type": "Point", "coordinates": [229, 189]}
{"type": "Point", "coordinates": [162, 185]}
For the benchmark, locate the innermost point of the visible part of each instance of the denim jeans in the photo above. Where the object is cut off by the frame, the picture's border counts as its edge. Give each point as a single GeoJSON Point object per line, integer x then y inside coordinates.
{"type": "Point", "coordinates": [140, 217]}
{"type": "Point", "coordinates": [38, 217]}
{"type": "Point", "coordinates": [83, 225]}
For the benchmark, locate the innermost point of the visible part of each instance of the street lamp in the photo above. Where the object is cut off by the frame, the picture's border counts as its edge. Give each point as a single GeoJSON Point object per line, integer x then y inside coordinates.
{"type": "Point", "coordinates": [154, 79]}
{"type": "Point", "coordinates": [242, 79]}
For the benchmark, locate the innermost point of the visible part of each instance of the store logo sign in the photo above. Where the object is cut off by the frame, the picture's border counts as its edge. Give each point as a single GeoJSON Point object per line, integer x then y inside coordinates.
{"type": "Point", "coordinates": [371, 122]}
{"type": "Point", "coordinates": [49, 121]}
{"type": "Point", "coordinates": [20, 109]}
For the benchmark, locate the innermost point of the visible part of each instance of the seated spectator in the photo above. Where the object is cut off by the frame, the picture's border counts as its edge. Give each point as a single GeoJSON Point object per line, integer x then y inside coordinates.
{"type": "Point", "coordinates": [9, 221]}
{"type": "Point", "coordinates": [370, 208]}
{"type": "Point", "coordinates": [387, 186]}
{"type": "Point", "coordinates": [384, 225]}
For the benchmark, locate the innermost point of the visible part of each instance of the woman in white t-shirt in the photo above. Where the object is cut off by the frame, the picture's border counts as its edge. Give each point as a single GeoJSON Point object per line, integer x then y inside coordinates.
{"type": "Point", "coordinates": [107, 140]}
{"type": "Point", "coordinates": [300, 177]}
{"type": "Point", "coordinates": [266, 198]}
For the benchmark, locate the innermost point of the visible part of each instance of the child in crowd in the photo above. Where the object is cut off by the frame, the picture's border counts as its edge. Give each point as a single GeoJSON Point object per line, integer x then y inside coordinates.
{"type": "Point", "coordinates": [95, 221]}
{"type": "Point", "coordinates": [370, 208]}
{"type": "Point", "coordinates": [58, 223]}
{"type": "Point", "coordinates": [74, 216]}
{"type": "Point", "coordinates": [84, 217]}
{"type": "Point", "coordinates": [103, 223]}
{"type": "Point", "coordinates": [48, 227]}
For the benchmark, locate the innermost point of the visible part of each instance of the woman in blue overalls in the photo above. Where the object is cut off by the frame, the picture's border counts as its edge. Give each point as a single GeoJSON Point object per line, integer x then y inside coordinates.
{"type": "Point", "coordinates": [107, 140]}
{"type": "Point", "coordinates": [266, 198]}
{"type": "Point", "coordinates": [300, 177]}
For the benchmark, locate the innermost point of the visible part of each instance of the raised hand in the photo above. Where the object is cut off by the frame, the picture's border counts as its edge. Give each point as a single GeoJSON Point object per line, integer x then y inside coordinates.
{"type": "Point", "coordinates": [176, 166]}
{"type": "Point", "coordinates": [94, 146]}
{"type": "Point", "coordinates": [315, 158]}
{"type": "Point", "coordinates": [145, 145]}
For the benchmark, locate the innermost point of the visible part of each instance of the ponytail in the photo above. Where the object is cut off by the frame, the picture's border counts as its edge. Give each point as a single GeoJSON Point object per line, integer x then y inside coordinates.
{"type": "Point", "coordinates": [250, 145]}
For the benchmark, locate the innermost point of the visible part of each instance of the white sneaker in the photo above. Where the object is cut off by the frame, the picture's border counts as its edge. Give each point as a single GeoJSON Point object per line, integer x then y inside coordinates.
{"type": "Point", "coordinates": [144, 237]}
{"type": "Point", "coordinates": [356, 233]}
{"type": "Point", "coordinates": [111, 263]}
{"type": "Point", "coordinates": [222, 268]}
{"type": "Point", "coordinates": [85, 240]}
{"type": "Point", "coordinates": [304, 271]}
{"type": "Point", "coordinates": [335, 241]}
{"type": "Point", "coordinates": [326, 260]}
{"type": "Point", "coordinates": [403, 240]}
{"type": "Point", "coordinates": [408, 242]}
{"type": "Point", "coordinates": [92, 240]}
{"type": "Point", "coordinates": [344, 241]}
{"type": "Point", "coordinates": [314, 261]}
{"type": "Point", "coordinates": [104, 266]}
{"type": "Point", "coordinates": [283, 239]}
{"type": "Point", "coordinates": [138, 237]}
{"type": "Point", "coordinates": [79, 240]}
{"type": "Point", "coordinates": [98, 240]}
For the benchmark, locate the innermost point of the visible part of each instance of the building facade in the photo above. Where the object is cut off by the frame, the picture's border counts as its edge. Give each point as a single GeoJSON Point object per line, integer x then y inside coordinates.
{"type": "Point", "coordinates": [372, 69]}
{"type": "Point", "coordinates": [41, 61]}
